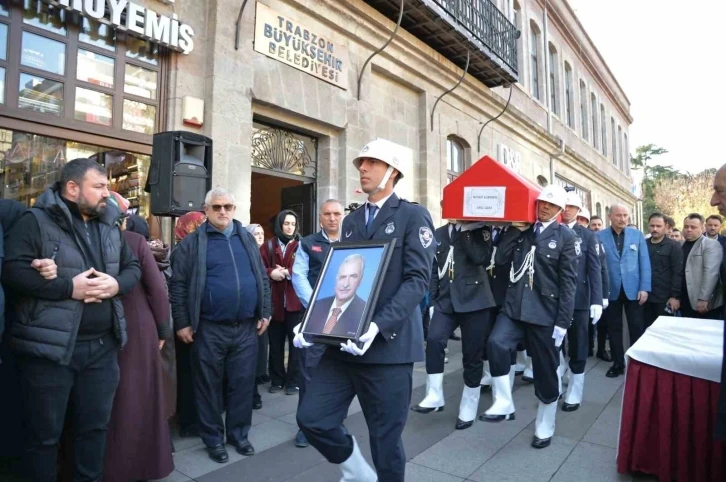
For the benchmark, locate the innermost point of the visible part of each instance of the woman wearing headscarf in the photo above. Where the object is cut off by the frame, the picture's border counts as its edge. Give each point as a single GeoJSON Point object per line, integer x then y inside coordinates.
{"type": "Point", "coordinates": [278, 254]}
{"type": "Point", "coordinates": [186, 410]}
{"type": "Point", "coordinates": [263, 343]}
{"type": "Point", "coordinates": [138, 444]}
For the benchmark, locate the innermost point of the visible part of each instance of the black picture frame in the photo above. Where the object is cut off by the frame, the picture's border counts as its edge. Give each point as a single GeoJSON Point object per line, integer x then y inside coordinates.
{"type": "Point", "coordinates": [317, 313]}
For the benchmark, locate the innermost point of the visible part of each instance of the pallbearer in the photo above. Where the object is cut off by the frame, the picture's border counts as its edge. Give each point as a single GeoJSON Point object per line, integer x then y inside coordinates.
{"type": "Point", "coordinates": [538, 308]}
{"type": "Point", "coordinates": [461, 296]}
{"type": "Point", "coordinates": [588, 300]}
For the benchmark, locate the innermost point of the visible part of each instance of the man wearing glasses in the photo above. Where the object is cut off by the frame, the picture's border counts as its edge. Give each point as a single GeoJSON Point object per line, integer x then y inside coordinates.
{"type": "Point", "coordinates": [220, 299]}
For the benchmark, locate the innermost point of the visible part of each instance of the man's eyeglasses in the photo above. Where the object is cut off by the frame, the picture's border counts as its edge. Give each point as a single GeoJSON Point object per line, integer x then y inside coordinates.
{"type": "Point", "coordinates": [218, 207]}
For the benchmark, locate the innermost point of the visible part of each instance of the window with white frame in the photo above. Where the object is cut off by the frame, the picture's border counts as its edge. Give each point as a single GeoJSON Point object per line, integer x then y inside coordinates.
{"type": "Point", "coordinates": [554, 90]}
{"type": "Point", "coordinates": [604, 129]}
{"type": "Point", "coordinates": [585, 121]}
{"type": "Point", "coordinates": [593, 113]}
{"type": "Point", "coordinates": [569, 97]}
{"type": "Point", "coordinates": [454, 158]}
{"type": "Point", "coordinates": [627, 154]}
{"type": "Point", "coordinates": [534, 60]}
{"type": "Point", "coordinates": [614, 135]}
{"type": "Point", "coordinates": [621, 154]}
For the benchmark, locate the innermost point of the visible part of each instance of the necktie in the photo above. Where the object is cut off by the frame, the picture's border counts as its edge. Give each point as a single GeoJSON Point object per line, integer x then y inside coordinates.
{"type": "Point", "coordinates": [332, 321]}
{"type": "Point", "coordinates": [372, 209]}
{"type": "Point", "coordinates": [537, 229]}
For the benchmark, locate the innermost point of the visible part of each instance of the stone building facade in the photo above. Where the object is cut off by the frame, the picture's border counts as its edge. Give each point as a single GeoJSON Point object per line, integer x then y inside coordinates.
{"type": "Point", "coordinates": [277, 128]}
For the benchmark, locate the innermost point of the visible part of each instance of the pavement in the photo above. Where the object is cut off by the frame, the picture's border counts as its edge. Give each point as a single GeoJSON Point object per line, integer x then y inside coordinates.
{"type": "Point", "coordinates": [583, 448]}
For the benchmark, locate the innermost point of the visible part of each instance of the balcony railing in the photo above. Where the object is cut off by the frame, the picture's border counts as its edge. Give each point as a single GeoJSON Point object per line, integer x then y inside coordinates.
{"type": "Point", "coordinates": [454, 27]}
{"type": "Point", "coordinates": [487, 24]}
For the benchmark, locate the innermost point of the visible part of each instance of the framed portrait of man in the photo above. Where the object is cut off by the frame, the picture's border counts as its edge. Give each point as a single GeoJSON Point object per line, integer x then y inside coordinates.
{"type": "Point", "coordinates": [345, 296]}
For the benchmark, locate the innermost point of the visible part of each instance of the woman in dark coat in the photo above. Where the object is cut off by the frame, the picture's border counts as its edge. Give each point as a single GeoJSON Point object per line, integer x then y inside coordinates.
{"type": "Point", "coordinates": [138, 445]}
{"type": "Point", "coordinates": [278, 255]}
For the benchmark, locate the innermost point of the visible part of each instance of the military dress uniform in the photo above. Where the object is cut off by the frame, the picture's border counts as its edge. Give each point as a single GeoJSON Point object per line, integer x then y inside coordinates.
{"type": "Point", "coordinates": [602, 327]}
{"type": "Point", "coordinates": [587, 294]}
{"type": "Point", "coordinates": [382, 377]}
{"type": "Point", "coordinates": [309, 260]}
{"type": "Point", "coordinates": [461, 296]}
{"type": "Point", "coordinates": [535, 303]}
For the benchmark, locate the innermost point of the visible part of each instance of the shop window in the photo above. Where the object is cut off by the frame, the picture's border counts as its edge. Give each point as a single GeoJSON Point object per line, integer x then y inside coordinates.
{"type": "Point", "coordinates": [98, 34]}
{"type": "Point", "coordinates": [140, 82]}
{"type": "Point", "coordinates": [42, 15]}
{"type": "Point", "coordinates": [93, 106]}
{"type": "Point", "coordinates": [40, 95]}
{"type": "Point", "coordinates": [31, 163]}
{"type": "Point", "coordinates": [139, 117]}
{"type": "Point", "coordinates": [42, 53]}
{"type": "Point", "coordinates": [89, 76]}
{"type": "Point", "coordinates": [3, 41]}
{"type": "Point", "coordinates": [95, 69]}
{"type": "Point", "coordinates": [455, 151]}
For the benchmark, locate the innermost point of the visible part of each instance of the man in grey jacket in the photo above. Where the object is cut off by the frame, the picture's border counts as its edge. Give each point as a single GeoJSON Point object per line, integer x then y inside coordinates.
{"type": "Point", "coordinates": [702, 256]}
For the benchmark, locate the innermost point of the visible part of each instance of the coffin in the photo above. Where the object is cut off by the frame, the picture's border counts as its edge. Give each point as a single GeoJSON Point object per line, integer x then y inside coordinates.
{"type": "Point", "coordinates": [490, 191]}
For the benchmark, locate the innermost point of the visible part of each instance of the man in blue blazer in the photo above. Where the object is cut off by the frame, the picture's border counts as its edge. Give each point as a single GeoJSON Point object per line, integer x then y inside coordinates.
{"type": "Point", "coordinates": [629, 269]}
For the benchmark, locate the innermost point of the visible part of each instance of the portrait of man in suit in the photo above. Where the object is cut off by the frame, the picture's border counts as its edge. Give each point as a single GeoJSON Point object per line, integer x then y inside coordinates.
{"type": "Point", "coordinates": [341, 314]}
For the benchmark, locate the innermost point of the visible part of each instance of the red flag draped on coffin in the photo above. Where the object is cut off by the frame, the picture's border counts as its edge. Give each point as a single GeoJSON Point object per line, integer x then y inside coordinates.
{"type": "Point", "coordinates": [490, 191]}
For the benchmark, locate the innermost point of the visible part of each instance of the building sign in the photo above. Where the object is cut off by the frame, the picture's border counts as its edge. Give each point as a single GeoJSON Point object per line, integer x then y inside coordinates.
{"type": "Point", "coordinates": [284, 39]}
{"type": "Point", "coordinates": [510, 158]}
{"type": "Point", "coordinates": [138, 21]}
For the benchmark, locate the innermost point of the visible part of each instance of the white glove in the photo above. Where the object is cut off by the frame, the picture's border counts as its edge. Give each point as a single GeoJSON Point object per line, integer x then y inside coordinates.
{"type": "Point", "coordinates": [605, 303]}
{"type": "Point", "coordinates": [367, 338]}
{"type": "Point", "coordinates": [559, 335]}
{"type": "Point", "coordinates": [470, 226]}
{"type": "Point", "coordinates": [595, 313]}
{"type": "Point", "coordinates": [299, 340]}
{"type": "Point", "coordinates": [431, 313]}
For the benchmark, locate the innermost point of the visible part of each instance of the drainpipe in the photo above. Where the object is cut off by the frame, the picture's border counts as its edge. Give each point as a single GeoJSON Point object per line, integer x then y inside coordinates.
{"type": "Point", "coordinates": [556, 155]}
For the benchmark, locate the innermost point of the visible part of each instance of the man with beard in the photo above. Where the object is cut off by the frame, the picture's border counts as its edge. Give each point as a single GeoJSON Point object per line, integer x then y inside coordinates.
{"type": "Point", "coordinates": [666, 265]}
{"type": "Point", "coordinates": [69, 329]}
{"type": "Point", "coordinates": [713, 229]}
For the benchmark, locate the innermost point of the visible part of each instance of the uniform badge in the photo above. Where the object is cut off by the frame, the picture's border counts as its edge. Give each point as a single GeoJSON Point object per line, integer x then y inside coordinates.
{"type": "Point", "coordinates": [390, 228]}
{"type": "Point", "coordinates": [553, 244]}
{"type": "Point", "coordinates": [348, 234]}
{"type": "Point", "coordinates": [578, 247]}
{"type": "Point", "coordinates": [486, 235]}
{"type": "Point", "coordinates": [425, 236]}
{"type": "Point", "coordinates": [317, 249]}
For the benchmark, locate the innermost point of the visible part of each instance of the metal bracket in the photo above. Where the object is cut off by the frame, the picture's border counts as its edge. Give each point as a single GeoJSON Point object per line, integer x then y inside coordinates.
{"type": "Point", "coordinates": [478, 139]}
{"type": "Point", "coordinates": [393, 35]}
{"type": "Point", "coordinates": [237, 25]}
{"type": "Point", "coordinates": [461, 79]}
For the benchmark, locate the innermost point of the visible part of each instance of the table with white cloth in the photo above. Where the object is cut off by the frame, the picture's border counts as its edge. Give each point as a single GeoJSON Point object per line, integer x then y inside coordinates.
{"type": "Point", "coordinates": [670, 402]}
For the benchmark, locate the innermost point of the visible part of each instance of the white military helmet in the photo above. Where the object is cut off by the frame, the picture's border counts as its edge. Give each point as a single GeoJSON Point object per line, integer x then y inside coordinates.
{"type": "Point", "coordinates": [574, 199]}
{"type": "Point", "coordinates": [554, 194]}
{"type": "Point", "coordinates": [397, 157]}
{"type": "Point", "coordinates": [584, 213]}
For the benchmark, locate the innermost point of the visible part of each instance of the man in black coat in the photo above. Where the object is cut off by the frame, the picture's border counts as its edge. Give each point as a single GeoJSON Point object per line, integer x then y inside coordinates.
{"type": "Point", "coordinates": [461, 296]}
{"type": "Point", "coordinates": [666, 266]}
{"type": "Point", "coordinates": [539, 306]}
{"type": "Point", "coordinates": [588, 300]}
{"type": "Point", "coordinates": [69, 329]}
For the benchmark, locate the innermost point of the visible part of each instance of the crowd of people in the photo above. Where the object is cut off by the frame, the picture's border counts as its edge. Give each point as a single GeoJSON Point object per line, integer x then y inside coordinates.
{"type": "Point", "coordinates": [110, 338]}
